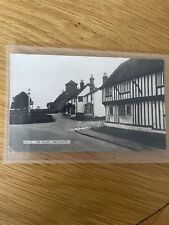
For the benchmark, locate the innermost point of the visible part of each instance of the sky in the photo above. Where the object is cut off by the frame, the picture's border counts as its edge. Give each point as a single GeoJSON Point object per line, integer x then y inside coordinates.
{"type": "Point", "coordinates": [46, 75]}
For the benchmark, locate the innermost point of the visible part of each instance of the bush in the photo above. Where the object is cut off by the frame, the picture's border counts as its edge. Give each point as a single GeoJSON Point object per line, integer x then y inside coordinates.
{"type": "Point", "coordinates": [41, 118]}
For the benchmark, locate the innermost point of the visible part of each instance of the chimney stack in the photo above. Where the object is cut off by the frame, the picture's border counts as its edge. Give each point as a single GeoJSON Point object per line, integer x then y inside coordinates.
{"type": "Point", "coordinates": [92, 83]}
{"type": "Point", "coordinates": [105, 78]}
{"type": "Point", "coordinates": [81, 84]}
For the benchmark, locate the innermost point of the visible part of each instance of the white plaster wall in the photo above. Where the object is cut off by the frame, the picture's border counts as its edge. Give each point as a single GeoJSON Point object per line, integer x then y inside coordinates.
{"type": "Point", "coordinates": [107, 113]}
{"type": "Point", "coordinates": [99, 108]}
{"type": "Point", "coordinates": [80, 107]}
{"type": "Point", "coordinates": [126, 119]}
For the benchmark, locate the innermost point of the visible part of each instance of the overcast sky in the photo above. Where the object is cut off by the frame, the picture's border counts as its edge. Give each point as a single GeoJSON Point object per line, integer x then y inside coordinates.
{"type": "Point", "coordinates": [46, 75]}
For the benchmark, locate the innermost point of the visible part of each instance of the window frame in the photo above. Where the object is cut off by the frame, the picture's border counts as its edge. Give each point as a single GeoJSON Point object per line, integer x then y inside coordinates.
{"type": "Point", "coordinates": [125, 87]}
{"type": "Point", "coordinates": [124, 112]}
{"type": "Point", "coordinates": [80, 97]}
{"type": "Point", "coordinates": [161, 84]}
{"type": "Point", "coordinates": [108, 91]}
{"type": "Point", "coordinates": [111, 110]}
{"type": "Point", "coordinates": [128, 114]}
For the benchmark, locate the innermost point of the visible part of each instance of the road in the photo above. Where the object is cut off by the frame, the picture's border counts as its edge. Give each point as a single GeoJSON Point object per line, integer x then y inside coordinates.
{"type": "Point", "coordinates": [62, 129]}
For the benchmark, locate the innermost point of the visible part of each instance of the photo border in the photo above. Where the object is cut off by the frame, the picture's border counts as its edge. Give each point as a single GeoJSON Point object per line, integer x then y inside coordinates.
{"type": "Point", "coordinates": [154, 156]}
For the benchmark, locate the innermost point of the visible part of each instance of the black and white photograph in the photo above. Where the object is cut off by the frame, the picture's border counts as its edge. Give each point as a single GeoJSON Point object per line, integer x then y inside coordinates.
{"type": "Point", "coordinates": [68, 103]}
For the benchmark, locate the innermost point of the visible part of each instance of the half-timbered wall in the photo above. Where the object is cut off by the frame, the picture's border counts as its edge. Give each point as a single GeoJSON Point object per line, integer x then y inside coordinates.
{"type": "Point", "coordinates": [148, 114]}
{"type": "Point", "coordinates": [150, 85]}
{"type": "Point", "coordinates": [138, 102]}
{"type": "Point", "coordinates": [151, 113]}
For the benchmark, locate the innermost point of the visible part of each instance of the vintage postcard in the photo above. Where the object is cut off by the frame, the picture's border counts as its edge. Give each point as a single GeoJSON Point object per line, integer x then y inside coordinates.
{"type": "Point", "coordinates": [99, 105]}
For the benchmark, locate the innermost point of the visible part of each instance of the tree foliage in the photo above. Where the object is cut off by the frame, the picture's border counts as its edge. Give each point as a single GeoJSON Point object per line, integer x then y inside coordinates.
{"type": "Point", "coordinates": [20, 101]}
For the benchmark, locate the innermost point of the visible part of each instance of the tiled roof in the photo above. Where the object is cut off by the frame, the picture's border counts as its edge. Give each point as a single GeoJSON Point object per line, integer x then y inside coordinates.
{"type": "Point", "coordinates": [61, 97]}
{"type": "Point", "coordinates": [71, 82]}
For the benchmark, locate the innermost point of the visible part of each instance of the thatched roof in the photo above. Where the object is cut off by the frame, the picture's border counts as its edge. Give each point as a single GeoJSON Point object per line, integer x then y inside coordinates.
{"type": "Point", "coordinates": [133, 68]}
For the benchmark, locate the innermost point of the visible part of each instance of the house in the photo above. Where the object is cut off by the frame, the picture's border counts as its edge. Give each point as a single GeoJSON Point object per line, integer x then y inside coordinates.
{"type": "Point", "coordinates": [93, 106]}
{"type": "Point", "coordinates": [59, 103]}
{"type": "Point", "coordinates": [134, 96]}
{"type": "Point", "coordinates": [75, 102]}
{"type": "Point", "coordinates": [86, 102]}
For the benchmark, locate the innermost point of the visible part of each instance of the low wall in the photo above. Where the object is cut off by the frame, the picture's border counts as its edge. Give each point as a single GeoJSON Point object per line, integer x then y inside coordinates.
{"type": "Point", "coordinates": [23, 117]}
{"type": "Point", "coordinates": [19, 117]}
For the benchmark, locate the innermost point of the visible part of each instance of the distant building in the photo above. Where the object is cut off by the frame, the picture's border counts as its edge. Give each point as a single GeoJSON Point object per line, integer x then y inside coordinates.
{"type": "Point", "coordinates": [134, 96]}
{"type": "Point", "coordinates": [86, 101]}
{"type": "Point", "coordinates": [71, 87]}
{"type": "Point", "coordinates": [75, 102]}
{"type": "Point", "coordinates": [59, 104]}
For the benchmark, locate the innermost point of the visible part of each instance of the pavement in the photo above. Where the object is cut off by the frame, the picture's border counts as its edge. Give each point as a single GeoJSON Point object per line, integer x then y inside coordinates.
{"type": "Point", "coordinates": [62, 129]}
{"type": "Point", "coordinates": [124, 143]}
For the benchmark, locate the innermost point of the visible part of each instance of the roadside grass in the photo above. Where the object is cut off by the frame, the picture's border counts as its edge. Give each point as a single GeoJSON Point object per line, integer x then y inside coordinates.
{"type": "Point", "coordinates": [151, 139]}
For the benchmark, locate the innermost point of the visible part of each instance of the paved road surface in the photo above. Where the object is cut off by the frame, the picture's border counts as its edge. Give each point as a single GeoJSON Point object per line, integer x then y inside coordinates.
{"type": "Point", "coordinates": [62, 129]}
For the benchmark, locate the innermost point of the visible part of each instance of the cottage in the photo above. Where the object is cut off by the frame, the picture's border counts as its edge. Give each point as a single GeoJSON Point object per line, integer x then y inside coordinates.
{"type": "Point", "coordinates": [75, 102]}
{"type": "Point", "coordinates": [134, 96]}
{"type": "Point", "coordinates": [86, 101]}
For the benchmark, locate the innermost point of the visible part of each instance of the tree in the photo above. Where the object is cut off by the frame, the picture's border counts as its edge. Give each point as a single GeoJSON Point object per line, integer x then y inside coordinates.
{"type": "Point", "coordinates": [20, 101]}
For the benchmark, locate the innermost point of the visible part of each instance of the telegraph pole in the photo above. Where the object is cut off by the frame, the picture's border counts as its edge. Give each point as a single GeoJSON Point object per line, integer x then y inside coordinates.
{"type": "Point", "coordinates": [29, 107]}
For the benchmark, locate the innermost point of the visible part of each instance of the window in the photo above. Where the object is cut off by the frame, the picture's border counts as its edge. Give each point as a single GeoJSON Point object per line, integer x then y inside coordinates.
{"type": "Point", "coordinates": [125, 87]}
{"type": "Point", "coordinates": [111, 110]}
{"type": "Point", "coordinates": [80, 99]}
{"type": "Point", "coordinates": [88, 108]}
{"type": "Point", "coordinates": [108, 92]}
{"type": "Point", "coordinates": [85, 109]}
{"type": "Point", "coordinates": [159, 80]}
{"type": "Point", "coordinates": [128, 109]}
{"type": "Point", "coordinates": [91, 108]}
{"type": "Point", "coordinates": [124, 110]}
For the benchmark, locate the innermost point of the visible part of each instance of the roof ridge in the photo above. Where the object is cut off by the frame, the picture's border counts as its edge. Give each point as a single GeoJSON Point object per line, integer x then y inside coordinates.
{"type": "Point", "coordinates": [133, 68]}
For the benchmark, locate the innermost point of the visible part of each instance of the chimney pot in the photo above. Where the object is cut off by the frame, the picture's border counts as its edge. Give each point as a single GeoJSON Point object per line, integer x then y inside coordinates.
{"type": "Point", "coordinates": [81, 84]}
{"type": "Point", "coordinates": [92, 87]}
{"type": "Point", "coordinates": [105, 78]}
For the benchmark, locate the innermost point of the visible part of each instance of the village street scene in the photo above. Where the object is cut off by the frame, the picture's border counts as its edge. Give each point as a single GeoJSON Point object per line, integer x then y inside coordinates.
{"type": "Point", "coordinates": [125, 112]}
